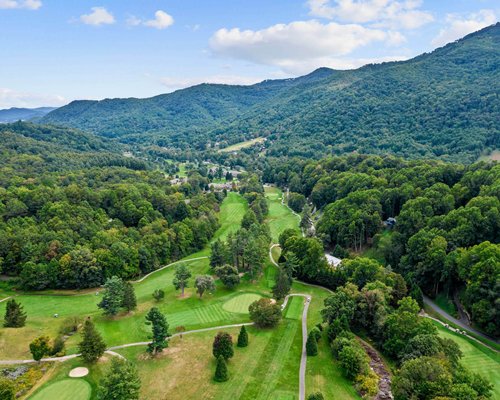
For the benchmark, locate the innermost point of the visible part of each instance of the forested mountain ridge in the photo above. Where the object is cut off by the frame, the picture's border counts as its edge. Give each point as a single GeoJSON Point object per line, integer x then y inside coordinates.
{"type": "Point", "coordinates": [14, 114]}
{"type": "Point", "coordinates": [177, 118]}
{"type": "Point", "coordinates": [441, 104]}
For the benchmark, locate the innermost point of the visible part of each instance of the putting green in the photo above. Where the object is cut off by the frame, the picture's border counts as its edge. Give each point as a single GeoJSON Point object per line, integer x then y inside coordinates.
{"type": "Point", "coordinates": [67, 389]}
{"type": "Point", "coordinates": [239, 304]}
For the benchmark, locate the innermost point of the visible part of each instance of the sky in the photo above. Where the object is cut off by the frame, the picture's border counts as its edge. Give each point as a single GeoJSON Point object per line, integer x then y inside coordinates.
{"type": "Point", "coordinates": [56, 51]}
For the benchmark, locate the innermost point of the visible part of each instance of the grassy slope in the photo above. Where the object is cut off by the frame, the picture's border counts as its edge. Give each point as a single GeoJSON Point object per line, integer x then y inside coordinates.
{"type": "Point", "coordinates": [476, 358]}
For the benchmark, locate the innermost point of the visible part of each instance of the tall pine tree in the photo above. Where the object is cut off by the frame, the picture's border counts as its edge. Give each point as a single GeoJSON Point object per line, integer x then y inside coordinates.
{"type": "Point", "coordinates": [283, 285]}
{"type": "Point", "coordinates": [129, 301]}
{"type": "Point", "coordinates": [15, 317]}
{"type": "Point", "coordinates": [92, 346]}
{"type": "Point", "coordinates": [113, 296]}
{"type": "Point", "coordinates": [159, 329]}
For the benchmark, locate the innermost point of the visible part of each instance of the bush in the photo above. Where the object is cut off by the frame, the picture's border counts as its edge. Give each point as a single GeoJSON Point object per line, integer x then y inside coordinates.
{"type": "Point", "coordinates": [223, 346]}
{"type": "Point", "coordinates": [353, 360]}
{"type": "Point", "coordinates": [70, 326]}
{"type": "Point", "coordinates": [7, 390]}
{"type": "Point", "coordinates": [58, 347]}
{"type": "Point", "coordinates": [264, 313]}
{"type": "Point", "coordinates": [367, 384]}
{"type": "Point", "coordinates": [158, 294]}
{"type": "Point", "coordinates": [311, 345]}
{"type": "Point", "coordinates": [315, 396]}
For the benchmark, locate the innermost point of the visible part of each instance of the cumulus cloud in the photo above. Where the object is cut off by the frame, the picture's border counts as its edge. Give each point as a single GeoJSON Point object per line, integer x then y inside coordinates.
{"type": "Point", "coordinates": [458, 26]}
{"type": "Point", "coordinates": [297, 46]}
{"type": "Point", "coordinates": [396, 14]}
{"type": "Point", "coordinates": [172, 83]}
{"type": "Point", "coordinates": [12, 98]}
{"type": "Point", "coordinates": [162, 20]}
{"type": "Point", "coordinates": [26, 4]}
{"type": "Point", "coordinates": [98, 16]}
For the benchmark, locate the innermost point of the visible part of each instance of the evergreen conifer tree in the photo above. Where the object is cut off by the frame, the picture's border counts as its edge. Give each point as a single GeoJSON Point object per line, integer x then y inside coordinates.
{"type": "Point", "coordinates": [129, 301]}
{"type": "Point", "coordinates": [221, 370]}
{"type": "Point", "coordinates": [92, 346]}
{"type": "Point", "coordinates": [160, 331]}
{"type": "Point", "coordinates": [15, 317]}
{"type": "Point", "coordinates": [311, 345]}
{"type": "Point", "coordinates": [121, 382]}
{"type": "Point", "coordinates": [243, 337]}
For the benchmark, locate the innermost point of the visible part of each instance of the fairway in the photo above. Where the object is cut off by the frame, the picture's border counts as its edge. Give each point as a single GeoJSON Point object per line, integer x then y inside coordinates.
{"type": "Point", "coordinates": [240, 303]}
{"type": "Point", "coordinates": [280, 217]}
{"type": "Point", "coordinates": [67, 389]}
{"type": "Point", "coordinates": [479, 360]}
{"type": "Point", "coordinates": [242, 145]}
{"type": "Point", "coordinates": [294, 308]}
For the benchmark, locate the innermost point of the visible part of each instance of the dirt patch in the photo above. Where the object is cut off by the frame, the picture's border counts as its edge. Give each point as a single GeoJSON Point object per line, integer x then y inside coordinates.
{"type": "Point", "coordinates": [78, 372]}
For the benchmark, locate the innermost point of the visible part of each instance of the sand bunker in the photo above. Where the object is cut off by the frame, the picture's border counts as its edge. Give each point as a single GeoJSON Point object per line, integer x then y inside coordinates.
{"type": "Point", "coordinates": [78, 372]}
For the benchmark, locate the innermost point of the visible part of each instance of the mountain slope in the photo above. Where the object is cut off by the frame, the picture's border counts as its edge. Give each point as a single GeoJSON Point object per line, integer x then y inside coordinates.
{"type": "Point", "coordinates": [442, 104]}
{"type": "Point", "coordinates": [16, 114]}
{"type": "Point", "coordinates": [28, 149]}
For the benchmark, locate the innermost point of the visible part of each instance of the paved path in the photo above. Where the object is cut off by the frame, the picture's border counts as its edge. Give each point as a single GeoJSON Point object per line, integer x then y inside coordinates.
{"type": "Point", "coordinates": [457, 322]}
{"type": "Point", "coordinates": [166, 266]}
{"type": "Point", "coordinates": [7, 298]}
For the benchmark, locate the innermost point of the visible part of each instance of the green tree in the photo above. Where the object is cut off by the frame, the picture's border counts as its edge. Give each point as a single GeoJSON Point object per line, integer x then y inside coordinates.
{"type": "Point", "coordinates": [113, 296]}
{"type": "Point", "coordinates": [40, 347]}
{"type": "Point", "coordinates": [353, 360]}
{"type": "Point", "coordinates": [129, 301]}
{"type": "Point", "coordinates": [181, 278]}
{"type": "Point", "coordinates": [159, 331]}
{"type": "Point", "coordinates": [203, 284]}
{"type": "Point", "coordinates": [158, 295]}
{"type": "Point", "coordinates": [15, 317]}
{"type": "Point", "coordinates": [120, 382]}
{"type": "Point", "coordinates": [221, 374]}
{"type": "Point", "coordinates": [311, 345]}
{"type": "Point", "coordinates": [219, 254]}
{"type": "Point", "coordinates": [264, 313]}
{"type": "Point", "coordinates": [228, 275]}
{"type": "Point", "coordinates": [242, 337]}
{"type": "Point", "coordinates": [283, 285]}
{"type": "Point", "coordinates": [249, 219]}
{"type": "Point", "coordinates": [223, 346]}
{"type": "Point", "coordinates": [92, 346]}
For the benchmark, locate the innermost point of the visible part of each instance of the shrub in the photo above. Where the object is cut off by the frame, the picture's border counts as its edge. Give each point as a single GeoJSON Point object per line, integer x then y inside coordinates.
{"type": "Point", "coordinates": [70, 326]}
{"type": "Point", "coordinates": [367, 384]}
{"type": "Point", "coordinates": [223, 346]}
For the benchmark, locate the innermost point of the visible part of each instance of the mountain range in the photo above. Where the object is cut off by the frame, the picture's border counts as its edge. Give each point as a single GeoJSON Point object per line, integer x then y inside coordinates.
{"type": "Point", "coordinates": [23, 114]}
{"type": "Point", "coordinates": [441, 104]}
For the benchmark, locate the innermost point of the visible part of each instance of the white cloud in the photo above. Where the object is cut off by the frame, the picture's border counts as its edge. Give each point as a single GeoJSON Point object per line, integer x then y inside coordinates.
{"type": "Point", "coordinates": [405, 14]}
{"type": "Point", "coordinates": [11, 98]}
{"type": "Point", "coordinates": [297, 46]}
{"type": "Point", "coordinates": [26, 4]}
{"type": "Point", "coordinates": [162, 20]}
{"type": "Point", "coordinates": [172, 83]}
{"type": "Point", "coordinates": [98, 16]}
{"type": "Point", "coordinates": [458, 26]}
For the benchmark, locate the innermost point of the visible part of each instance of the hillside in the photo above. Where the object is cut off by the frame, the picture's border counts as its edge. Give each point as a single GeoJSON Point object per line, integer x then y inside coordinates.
{"type": "Point", "coordinates": [29, 149]}
{"type": "Point", "coordinates": [442, 104]}
{"type": "Point", "coordinates": [16, 114]}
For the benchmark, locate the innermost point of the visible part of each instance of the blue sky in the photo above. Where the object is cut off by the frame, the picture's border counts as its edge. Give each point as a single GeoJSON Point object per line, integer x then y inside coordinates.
{"type": "Point", "coordinates": [55, 51]}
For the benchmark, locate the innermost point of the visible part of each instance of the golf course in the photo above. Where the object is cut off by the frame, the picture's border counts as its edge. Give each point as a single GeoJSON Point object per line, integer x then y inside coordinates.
{"type": "Point", "coordinates": [267, 369]}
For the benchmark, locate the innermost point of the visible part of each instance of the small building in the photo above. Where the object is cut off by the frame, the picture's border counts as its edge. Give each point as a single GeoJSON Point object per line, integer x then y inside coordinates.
{"type": "Point", "coordinates": [333, 261]}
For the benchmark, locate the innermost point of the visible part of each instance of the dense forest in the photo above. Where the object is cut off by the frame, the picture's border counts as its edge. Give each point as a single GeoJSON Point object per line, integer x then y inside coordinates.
{"type": "Point", "coordinates": [73, 213]}
{"type": "Point", "coordinates": [438, 105]}
{"type": "Point", "coordinates": [447, 223]}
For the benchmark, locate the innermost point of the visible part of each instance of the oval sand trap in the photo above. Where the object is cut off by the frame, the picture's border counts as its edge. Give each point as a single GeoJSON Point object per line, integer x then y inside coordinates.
{"type": "Point", "coordinates": [78, 372]}
{"type": "Point", "coordinates": [67, 389]}
{"type": "Point", "coordinates": [239, 304]}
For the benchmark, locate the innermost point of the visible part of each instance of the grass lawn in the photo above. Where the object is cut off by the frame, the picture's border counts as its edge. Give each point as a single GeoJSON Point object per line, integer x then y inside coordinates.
{"type": "Point", "coordinates": [242, 145]}
{"type": "Point", "coordinates": [476, 358]}
{"type": "Point", "coordinates": [240, 303]}
{"type": "Point", "coordinates": [67, 389]}
{"type": "Point", "coordinates": [294, 308]}
{"type": "Point", "coordinates": [280, 217]}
